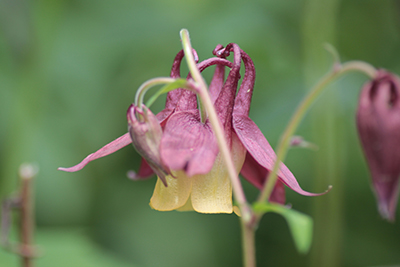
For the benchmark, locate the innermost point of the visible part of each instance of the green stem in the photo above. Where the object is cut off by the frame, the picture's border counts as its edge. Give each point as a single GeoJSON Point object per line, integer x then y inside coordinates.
{"type": "Point", "coordinates": [249, 249]}
{"type": "Point", "coordinates": [337, 71]}
{"type": "Point", "coordinates": [216, 126]}
{"type": "Point", "coordinates": [147, 85]}
{"type": "Point", "coordinates": [203, 111]}
{"type": "Point", "coordinates": [194, 71]}
{"type": "Point", "coordinates": [247, 214]}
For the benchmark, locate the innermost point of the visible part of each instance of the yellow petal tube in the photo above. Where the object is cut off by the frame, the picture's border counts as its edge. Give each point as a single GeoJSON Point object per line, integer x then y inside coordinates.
{"type": "Point", "coordinates": [175, 195]}
{"type": "Point", "coordinates": [212, 192]}
{"type": "Point", "coordinates": [209, 193]}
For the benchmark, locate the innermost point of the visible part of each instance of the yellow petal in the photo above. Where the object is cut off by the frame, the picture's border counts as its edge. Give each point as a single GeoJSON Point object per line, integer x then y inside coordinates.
{"type": "Point", "coordinates": [236, 210]}
{"type": "Point", "coordinates": [187, 207]}
{"type": "Point", "coordinates": [212, 192]}
{"type": "Point", "coordinates": [174, 196]}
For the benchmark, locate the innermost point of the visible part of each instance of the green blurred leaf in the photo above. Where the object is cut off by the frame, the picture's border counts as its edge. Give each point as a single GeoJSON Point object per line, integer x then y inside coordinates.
{"type": "Point", "coordinates": [300, 224]}
{"type": "Point", "coordinates": [75, 249]}
{"type": "Point", "coordinates": [178, 83]}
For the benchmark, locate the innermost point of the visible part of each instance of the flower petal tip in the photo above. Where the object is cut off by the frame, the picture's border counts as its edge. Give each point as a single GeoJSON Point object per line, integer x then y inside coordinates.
{"type": "Point", "coordinates": [71, 169]}
{"type": "Point", "coordinates": [323, 193]}
{"type": "Point", "coordinates": [386, 209]}
{"type": "Point", "coordinates": [298, 141]}
{"type": "Point", "coordinates": [309, 194]}
{"type": "Point", "coordinates": [386, 214]}
{"type": "Point", "coordinates": [132, 175]}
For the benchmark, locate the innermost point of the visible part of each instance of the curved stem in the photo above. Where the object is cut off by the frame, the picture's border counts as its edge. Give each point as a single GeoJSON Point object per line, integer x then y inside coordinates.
{"type": "Point", "coordinates": [147, 85]}
{"type": "Point", "coordinates": [337, 71]}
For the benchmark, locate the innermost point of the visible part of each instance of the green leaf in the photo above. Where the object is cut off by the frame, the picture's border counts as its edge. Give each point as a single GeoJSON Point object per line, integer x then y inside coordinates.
{"type": "Point", "coordinates": [178, 83]}
{"type": "Point", "coordinates": [300, 224]}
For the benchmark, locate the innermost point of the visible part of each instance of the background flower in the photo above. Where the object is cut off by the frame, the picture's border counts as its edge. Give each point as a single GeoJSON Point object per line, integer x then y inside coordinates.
{"type": "Point", "coordinates": [378, 121]}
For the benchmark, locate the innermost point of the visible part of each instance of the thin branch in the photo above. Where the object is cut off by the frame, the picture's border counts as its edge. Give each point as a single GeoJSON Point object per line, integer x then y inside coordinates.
{"type": "Point", "coordinates": [27, 172]}
{"type": "Point", "coordinates": [336, 71]}
{"type": "Point", "coordinates": [24, 204]}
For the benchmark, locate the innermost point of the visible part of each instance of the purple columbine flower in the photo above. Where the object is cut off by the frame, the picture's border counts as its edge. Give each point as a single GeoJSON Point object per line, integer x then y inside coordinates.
{"type": "Point", "coordinates": [188, 149]}
{"type": "Point", "coordinates": [378, 121]}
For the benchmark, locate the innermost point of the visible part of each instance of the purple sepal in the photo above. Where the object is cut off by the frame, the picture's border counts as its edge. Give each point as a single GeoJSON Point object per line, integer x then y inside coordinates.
{"type": "Point", "coordinates": [256, 175]}
{"type": "Point", "coordinates": [108, 149]}
{"type": "Point", "coordinates": [259, 148]}
{"type": "Point", "coordinates": [187, 144]}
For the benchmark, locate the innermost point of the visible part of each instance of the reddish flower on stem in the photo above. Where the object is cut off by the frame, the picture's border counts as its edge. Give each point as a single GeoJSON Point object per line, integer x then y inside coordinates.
{"type": "Point", "coordinates": [188, 147]}
{"type": "Point", "coordinates": [378, 121]}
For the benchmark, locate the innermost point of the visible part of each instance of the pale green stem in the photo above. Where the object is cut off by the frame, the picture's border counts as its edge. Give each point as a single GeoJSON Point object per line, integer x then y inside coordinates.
{"type": "Point", "coordinates": [337, 71]}
{"type": "Point", "coordinates": [147, 85]}
{"type": "Point", "coordinates": [246, 218]}
{"type": "Point", "coordinates": [249, 248]}
{"type": "Point", "coordinates": [203, 111]}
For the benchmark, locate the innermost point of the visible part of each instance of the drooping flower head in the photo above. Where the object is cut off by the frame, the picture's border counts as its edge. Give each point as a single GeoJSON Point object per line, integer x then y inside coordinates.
{"type": "Point", "coordinates": [185, 154]}
{"type": "Point", "coordinates": [378, 121]}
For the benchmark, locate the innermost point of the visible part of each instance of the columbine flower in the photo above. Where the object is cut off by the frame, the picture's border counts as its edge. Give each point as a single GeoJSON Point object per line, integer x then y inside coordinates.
{"type": "Point", "coordinates": [199, 179]}
{"type": "Point", "coordinates": [378, 121]}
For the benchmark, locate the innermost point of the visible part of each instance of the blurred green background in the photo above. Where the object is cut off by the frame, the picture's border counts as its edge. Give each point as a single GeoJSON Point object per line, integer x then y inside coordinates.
{"type": "Point", "coordinates": [69, 69]}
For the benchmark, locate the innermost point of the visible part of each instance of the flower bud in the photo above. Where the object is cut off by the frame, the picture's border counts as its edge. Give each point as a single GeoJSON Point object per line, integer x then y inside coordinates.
{"type": "Point", "coordinates": [378, 121]}
{"type": "Point", "coordinates": [146, 133]}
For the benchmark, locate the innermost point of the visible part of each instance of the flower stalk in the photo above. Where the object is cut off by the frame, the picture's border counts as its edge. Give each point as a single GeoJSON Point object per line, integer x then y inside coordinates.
{"type": "Point", "coordinates": [149, 84]}
{"type": "Point", "coordinates": [248, 228]}
{"type": "Point", "coordinates": [249, 248]}
{"type": "Point", "coordinates": [337, 70]}
{"type": "Point", "coordinates": [216, 127]}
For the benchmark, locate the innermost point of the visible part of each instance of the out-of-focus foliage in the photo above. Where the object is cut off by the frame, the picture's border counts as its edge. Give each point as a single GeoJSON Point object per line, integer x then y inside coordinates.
{"type": "Point", "coordinates": [300, 224]}
{"type": "Point", "coordinates": [69, 69]}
